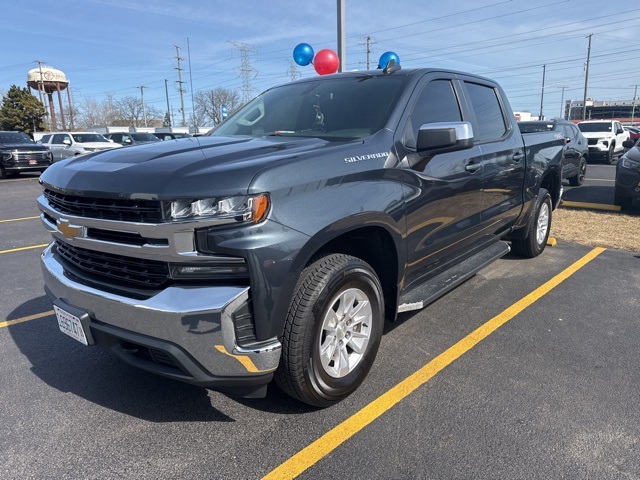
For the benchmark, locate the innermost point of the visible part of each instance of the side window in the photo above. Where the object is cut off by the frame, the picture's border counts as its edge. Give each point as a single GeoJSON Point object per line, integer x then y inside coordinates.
{"type": "Point", "coordinates": [489, 116]}
{"type": "Point", "coordinates": [57, 139]}
{"type": "Point", "coordinates": [45, 139]}
{"type": "Point", "coordinates": [568, 132]}
{"type": "Point", "coordinates": [436, 103]}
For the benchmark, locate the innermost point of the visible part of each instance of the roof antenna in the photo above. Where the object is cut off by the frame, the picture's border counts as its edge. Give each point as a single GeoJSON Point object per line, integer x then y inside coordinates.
{"type": "Point", "coordinates": [391, 67]}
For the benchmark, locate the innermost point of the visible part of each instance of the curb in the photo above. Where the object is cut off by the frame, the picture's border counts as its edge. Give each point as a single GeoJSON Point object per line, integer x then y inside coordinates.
{"type": "Point", "coordinates": [591, 206]}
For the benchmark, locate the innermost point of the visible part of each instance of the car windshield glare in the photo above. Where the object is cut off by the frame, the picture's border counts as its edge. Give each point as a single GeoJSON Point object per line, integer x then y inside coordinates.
{"type": "Point", "coordinates": [595, 127]}
{"type": "Point", "coordinates": [534, 127]}
{"type": "Point", "coordinates": [336, 109]}
{"type": "Point", "coordinates": [144, 137]}
{"type": "Point", "coordinates": [88, 137]}
{"type": "Point", "coordinates": [14, 137]}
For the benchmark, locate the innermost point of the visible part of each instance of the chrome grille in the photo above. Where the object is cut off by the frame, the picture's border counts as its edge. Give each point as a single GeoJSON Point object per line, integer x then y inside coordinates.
{"type": "Point", "coordinates": [126, 210]}
{"type": "Point", "coordinates": [114, 269]}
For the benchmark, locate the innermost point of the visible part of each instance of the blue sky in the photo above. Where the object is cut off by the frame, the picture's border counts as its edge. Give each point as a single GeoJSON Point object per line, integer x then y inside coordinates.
{"type": "Point", "coordinates": [108, 47]}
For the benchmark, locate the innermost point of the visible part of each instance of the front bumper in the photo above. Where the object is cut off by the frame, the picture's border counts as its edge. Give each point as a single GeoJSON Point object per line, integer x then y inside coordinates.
{"type": "Point", "coordinates": [183, 332]}
{"type": "Point", "coordinates": [628, 182]}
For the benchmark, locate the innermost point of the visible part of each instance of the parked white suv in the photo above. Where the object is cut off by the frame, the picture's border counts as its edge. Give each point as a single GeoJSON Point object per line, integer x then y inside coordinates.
{"type": "Point", "coordinates": [605, 138]}
{"type": "Point", "coordinates": [69, 144]}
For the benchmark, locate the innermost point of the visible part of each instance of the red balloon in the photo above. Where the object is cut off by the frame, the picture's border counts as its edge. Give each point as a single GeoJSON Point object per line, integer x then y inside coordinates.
{"type": "Point", "coordinates": [326, 61]}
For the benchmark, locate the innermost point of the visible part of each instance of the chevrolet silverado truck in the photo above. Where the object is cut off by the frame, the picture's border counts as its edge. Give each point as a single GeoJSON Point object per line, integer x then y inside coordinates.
{"type": "Point", "coordinates": [277, 245]}
{"type": "Point", "coordinates": [18, 153]}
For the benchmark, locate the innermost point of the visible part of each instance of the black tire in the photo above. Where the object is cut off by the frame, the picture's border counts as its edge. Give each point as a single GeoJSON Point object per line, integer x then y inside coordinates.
{"type": "Point", "coordinates": [538, 229]}
{"type": "Point", "coordinates": [608, 159]}
{"type": "Point", "coordinates": [578, 178]}
{"type": "Point", "coordinates": [3, 173]}
{"type": "Point", "coordinates": [307, 371]}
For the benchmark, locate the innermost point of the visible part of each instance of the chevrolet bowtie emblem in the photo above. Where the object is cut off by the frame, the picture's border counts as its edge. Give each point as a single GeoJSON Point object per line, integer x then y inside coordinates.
{"type": "Point", "coordinates": [68, 230]}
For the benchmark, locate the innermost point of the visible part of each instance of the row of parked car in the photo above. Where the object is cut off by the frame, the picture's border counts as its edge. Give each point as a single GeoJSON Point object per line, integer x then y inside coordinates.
{"type": "Point", "coordinates": [598, 140]}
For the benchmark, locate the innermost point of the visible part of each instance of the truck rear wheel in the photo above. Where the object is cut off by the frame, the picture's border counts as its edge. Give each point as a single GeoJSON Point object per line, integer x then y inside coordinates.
{"type": "Point", "coordinates": [538, 229]}
{"type": "Point", "coordinates": [333, 330]}
{"type": "Point", "coordinates": [578, 178]}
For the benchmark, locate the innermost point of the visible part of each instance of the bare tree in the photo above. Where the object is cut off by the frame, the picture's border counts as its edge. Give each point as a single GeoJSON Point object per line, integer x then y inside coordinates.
{"type": "Point", "coordinates": [209, 104]}
{"type": "Point", "coordinates": [92, 113]}
{"type": "Point", "coordinates": [128, 111]}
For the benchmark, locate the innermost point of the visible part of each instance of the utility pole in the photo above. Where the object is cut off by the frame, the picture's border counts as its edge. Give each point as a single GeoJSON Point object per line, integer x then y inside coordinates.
{"type": "Point", "coordinates": [193, 108]}
{"type": "Point", "coordinates": [180, 82]}
{"type": "Point", "coordinates": [247, 72]}
{"type": "Point", "coordinates": [562, 115]}
{"type": "Point", "coordinates": [586, 80]}
{"type": "Point", "coordinates": [166, 91]}
{"type": "Point", "coordinates": [342, 36]}
{"type": "Point", "coordinates": [40, 90]}
{"type": "Point", "coordinates": [633, 107]}
{"type": "Point", "coordinates": [368, 43]}
{"type": "Point", "coordinates": [544, 70]}
{"type": "Point", "coordinates": [144, 110]}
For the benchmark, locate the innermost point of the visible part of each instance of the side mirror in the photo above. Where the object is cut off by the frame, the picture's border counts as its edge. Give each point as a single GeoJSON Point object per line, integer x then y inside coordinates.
{"type": "Point", "coordinates": [442, 137]}
{"type": "Point", "coordinates": [66, 141]}
{"type": "Point", "coordinates": [628, 143]}
{"type": "Point", "coordinates": [127, 140]}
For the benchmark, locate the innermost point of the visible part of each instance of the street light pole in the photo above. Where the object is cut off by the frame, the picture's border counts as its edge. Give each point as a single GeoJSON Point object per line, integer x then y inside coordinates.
{"type": "Point", "coordinates": [633, 107]}
{"type": "Point", "coordinates": [544, 70]}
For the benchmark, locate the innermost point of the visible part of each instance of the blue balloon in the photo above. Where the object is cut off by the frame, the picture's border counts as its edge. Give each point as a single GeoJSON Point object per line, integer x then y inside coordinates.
{"type": "Point", "coordinates": [385, 57]}
{"type": "Point", "coordinates": [303, 54]}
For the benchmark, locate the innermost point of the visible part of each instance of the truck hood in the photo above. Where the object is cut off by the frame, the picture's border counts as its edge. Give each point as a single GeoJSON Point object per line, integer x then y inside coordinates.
{"type": "Point", "coordinates": [597, 134]}
{"type": "Point", "coordinates": [34, 147]}
{"type": "Point", "coordinates": [98, 145]}
{"type": "Point", "coordinates": [197, 167]}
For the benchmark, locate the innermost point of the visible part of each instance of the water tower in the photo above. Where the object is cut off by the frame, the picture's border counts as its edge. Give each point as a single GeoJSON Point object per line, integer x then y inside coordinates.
{"type": "Point", "coordinates": [48, 80]}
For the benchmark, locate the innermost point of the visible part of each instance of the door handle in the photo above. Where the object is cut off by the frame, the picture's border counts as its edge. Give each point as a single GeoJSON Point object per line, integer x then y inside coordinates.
{"type": "Point", "coordinates": [472, 167]}
{"type": "Point", "coordinates": [518, 156]}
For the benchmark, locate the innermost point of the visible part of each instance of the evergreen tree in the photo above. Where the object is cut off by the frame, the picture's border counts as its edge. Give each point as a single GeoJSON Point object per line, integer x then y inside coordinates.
{"type": "Point", "coordinates": [21, 111]}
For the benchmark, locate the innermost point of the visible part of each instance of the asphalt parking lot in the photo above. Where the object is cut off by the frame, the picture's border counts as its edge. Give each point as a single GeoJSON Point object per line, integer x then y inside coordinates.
{"type": "Point", "coordinates": [528, 370]}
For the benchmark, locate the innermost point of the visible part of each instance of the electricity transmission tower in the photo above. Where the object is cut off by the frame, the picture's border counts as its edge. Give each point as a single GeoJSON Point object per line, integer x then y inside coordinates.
{"type": "Point", "coordinates": [293, 71]}
{"type": "Point", "coordinates": [246, 70]}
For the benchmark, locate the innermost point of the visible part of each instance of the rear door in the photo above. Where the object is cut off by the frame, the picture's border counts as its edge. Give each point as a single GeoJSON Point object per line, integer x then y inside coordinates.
{"type": "Point", "coordinates": [443, 193]}
{"type": "Point", "coordinates": [502, 154]}
{"type": "Point", "coordinates": [59, 150]}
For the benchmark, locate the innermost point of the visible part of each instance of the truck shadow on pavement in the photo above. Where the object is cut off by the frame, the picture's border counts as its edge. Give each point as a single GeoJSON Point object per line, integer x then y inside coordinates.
{"type": "Point", "coordinates": [99, 377]}
{"type": "Point", "coordinates": [590, 194]}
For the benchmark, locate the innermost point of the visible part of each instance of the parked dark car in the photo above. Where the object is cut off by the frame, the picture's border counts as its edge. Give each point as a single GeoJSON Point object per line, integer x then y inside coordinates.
{"type": "Point", "coordinates": [139, 138]}
{"type": "Point", "coordinates": [576, 150]}
{"type": "Point", "coordinates": [628, 175]}
{"type": "Point", "coordinates": [172, 135]}
{"type": "Point", "coordinates": [18, 153]}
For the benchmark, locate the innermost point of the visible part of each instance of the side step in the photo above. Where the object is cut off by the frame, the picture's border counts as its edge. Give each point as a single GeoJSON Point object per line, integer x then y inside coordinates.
{"type": "Point", "coordinates": [435, 287]}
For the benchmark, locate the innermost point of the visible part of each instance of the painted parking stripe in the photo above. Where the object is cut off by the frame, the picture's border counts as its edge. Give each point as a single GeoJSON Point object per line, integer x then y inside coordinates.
{"type": "Point", "coordinates": [19, 249]}
{"type": "Point", "coordinates": [18, 219]}
{"type": "Point", "coordinates": [8, 323]}
{"type": "Point", "coordinates": [327, 443]}
{"type": "Point", "coordinates": [592, 206]}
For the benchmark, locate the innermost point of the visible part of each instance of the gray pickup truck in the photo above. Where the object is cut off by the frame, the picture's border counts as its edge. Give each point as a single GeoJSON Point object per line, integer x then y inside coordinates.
{"type": "Point", "coordinates": [276, 246]}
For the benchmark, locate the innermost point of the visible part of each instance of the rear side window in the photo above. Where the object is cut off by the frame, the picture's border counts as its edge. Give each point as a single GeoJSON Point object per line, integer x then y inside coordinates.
{"type": "Point", "coordinates": [484, 100]}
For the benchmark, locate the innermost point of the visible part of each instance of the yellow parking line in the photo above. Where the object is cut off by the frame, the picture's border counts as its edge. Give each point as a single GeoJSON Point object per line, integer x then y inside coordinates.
{"type": "Point", "coordinates": [23, 248]}
{"type": "Point", "coordinates": [592, 206]}
{"type": "Point", "coordinates": [7, 323]}
{"type": "Point", "coordinates": [324, 445]}
{"type": "Point", "coordinates": [18, 219]}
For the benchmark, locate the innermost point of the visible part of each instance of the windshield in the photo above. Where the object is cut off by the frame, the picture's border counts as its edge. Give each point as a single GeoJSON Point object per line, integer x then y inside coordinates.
{"type": "Point", "coordinates": [144, 137]}
{"type": "Point", "coordinates": [14, 137]}
{"type": "Point", "coordinates": [337, 109]}
{"type": "Point", "coordinates": [88, 137]}
{"type": "Point", "coordinates": [595, 127]}
{"type": "Point", "coordinates": [533, 127]}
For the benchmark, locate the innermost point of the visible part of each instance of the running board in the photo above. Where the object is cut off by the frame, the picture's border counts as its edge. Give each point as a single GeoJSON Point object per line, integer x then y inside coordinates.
{"type": "Point", "coordinates": [435, 287]}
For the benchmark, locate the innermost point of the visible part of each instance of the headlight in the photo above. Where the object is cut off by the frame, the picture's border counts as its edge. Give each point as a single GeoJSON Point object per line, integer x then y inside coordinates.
{"type": "Point", "coordinates": [626, 163]}
{"type": "Point", "coordinates": [239, 209]}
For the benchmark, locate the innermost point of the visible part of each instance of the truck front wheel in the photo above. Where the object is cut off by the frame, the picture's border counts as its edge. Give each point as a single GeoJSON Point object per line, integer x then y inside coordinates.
{"type": "Point", "coordinates": [538, 228]}
{"type": "Point", "coordinates": [333, 330]}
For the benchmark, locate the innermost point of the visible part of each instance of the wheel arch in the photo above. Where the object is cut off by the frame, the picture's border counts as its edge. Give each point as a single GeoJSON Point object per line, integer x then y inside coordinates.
{"type": "Point", "coordinates": [376, 246]}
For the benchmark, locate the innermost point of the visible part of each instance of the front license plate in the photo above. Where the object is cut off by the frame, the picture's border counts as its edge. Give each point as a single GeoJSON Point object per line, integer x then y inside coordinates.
{"type": "Point", "coordinates": [70, 325]}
